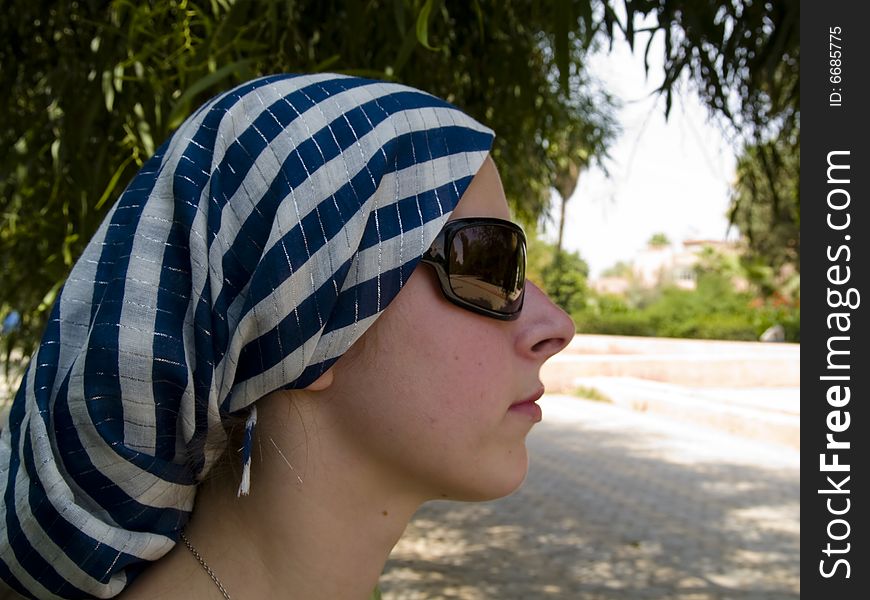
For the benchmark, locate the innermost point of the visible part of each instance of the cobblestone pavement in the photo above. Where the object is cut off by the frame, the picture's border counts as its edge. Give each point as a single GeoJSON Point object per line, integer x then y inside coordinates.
{"type": "Point", "coordinates": [617, 505]}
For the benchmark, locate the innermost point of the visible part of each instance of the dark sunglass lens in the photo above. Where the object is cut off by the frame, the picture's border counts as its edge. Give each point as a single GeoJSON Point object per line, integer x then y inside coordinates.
{"type": "Point", "coordinates": [487, 266]}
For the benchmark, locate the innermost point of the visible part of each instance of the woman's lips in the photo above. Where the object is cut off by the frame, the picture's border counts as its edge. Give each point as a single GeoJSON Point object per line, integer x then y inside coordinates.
{"type": "Point", "coordinates": [529, 407]}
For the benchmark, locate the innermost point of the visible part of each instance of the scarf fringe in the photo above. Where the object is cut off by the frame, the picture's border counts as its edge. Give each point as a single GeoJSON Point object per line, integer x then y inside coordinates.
{"type": "Point", "coordinates": [245, 485]}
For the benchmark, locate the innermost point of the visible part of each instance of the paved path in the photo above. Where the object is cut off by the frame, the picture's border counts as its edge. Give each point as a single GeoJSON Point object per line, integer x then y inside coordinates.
{"type": "Point", "coordinates": [617, 505]}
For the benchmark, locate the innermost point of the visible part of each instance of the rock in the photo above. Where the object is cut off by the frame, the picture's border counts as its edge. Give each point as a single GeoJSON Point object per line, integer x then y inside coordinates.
{"type": "Point", "coordinates": [774, 333]}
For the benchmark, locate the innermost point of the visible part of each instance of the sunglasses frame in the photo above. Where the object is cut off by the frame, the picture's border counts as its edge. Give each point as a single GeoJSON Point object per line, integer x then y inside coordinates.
{"type": "Point", "coordinates": [436, 256]}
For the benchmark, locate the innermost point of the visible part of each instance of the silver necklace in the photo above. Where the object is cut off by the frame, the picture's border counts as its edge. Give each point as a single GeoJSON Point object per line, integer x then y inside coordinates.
{"type": "Point", "coordinates": [205, 566]}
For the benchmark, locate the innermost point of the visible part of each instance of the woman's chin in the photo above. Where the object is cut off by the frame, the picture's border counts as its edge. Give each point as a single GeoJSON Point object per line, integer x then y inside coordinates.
{"type": "Point", "coordinates": [496, 482]}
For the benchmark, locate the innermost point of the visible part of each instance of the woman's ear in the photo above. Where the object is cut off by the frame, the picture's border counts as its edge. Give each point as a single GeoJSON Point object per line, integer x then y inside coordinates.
{"type": "Point", "coordinates": [322, 382]}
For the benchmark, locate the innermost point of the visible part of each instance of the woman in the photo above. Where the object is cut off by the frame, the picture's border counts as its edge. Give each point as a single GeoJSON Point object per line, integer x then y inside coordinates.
{"type": "Point", "coordinates": [251, 273]}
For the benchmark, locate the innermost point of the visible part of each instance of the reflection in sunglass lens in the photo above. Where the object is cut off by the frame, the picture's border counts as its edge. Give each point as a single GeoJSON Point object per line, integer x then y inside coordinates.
{"type": "Point", "coordinates": [487, 267]}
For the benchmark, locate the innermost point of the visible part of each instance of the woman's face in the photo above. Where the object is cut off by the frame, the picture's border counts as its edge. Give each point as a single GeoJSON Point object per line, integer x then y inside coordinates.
{"type": "Point", "coordinates": [427, 393]}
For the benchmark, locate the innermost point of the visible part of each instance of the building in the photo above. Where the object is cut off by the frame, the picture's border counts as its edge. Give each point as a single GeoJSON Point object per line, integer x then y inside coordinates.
{"type": "Point", "coordinates": [667, 264]}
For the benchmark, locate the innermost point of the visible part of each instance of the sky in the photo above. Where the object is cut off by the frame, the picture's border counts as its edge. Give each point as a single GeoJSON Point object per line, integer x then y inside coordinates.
{"type": "Point", "coordinates": [668, 177]}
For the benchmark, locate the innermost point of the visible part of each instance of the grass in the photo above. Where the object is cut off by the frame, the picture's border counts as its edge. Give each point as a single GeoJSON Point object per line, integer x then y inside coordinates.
{"type": "Point", "coordinates": [591, 393]}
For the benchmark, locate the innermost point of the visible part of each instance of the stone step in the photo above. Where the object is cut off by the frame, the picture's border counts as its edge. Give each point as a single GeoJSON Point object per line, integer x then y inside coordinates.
{"type": "Point", "coordinates": [698, 370]}
{"type": "Point", "coordinates": [584, 343]}
{"type": "Point", "coordinates": [685, 362]}
{"type": "Point", "coordinates": [767, 414]}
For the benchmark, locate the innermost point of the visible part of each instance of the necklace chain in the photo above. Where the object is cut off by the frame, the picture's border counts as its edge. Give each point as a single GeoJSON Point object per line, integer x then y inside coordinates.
{"type": "Point", "coordinates": [205, 566]}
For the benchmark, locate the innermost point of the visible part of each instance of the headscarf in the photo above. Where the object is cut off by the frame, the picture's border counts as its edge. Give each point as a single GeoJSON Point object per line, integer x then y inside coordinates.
{"type": "Point", "coordinates": [247, 255]}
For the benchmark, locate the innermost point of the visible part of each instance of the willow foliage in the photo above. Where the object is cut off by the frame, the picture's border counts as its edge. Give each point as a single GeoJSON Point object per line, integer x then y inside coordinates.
{"type": "Point", "coordinates": [90, 89]}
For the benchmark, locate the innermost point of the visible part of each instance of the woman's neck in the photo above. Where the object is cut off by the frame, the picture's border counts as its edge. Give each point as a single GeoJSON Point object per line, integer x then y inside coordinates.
{"type": "Point", "coordinates": [321, 528]}
{"type": "Point", "coordinates": [297, 541]}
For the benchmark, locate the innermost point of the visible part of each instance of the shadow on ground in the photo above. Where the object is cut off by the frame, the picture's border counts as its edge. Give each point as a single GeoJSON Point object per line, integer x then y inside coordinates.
{"type": "Point", "coordinates": [610, 514]}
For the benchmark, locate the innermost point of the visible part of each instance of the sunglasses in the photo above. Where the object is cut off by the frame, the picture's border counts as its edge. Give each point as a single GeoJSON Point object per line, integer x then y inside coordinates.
{"type": "Point", "coordinates": [481, 265]}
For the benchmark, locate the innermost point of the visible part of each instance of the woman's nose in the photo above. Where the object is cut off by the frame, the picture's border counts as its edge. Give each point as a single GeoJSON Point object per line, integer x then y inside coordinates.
{"type": "Point", "coordinates": [545, 328]}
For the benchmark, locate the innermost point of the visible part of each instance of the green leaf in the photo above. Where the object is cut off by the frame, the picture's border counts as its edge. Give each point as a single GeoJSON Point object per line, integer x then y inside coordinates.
{"type": "Point", "coordinates": [118, 77]}
{"type": "Point", "coordinates": [113, 182]}
{"type": "Point", "coordinates": [55, 153]}
{"type": "Point", "coordinates": [399, 15]}
{"type": "Point", "coordinates": [479, 12]}
{"type": "Point", "coordinates": [181, 109]}
{"type": "Point", "coordinates": [585, 11]}
{"type": "Point", "coordinates": [562, 33]}
{"type": "Point", "coordinates": [409, 42]}
{"type": "Point", "coordinates": [423, 23]}
{"type": "Point", "coordinates": [108, 90]}
{"type": "Point", "coordinates": [50, 295]}
{"type": "Point", "coordinates": [326, 64]}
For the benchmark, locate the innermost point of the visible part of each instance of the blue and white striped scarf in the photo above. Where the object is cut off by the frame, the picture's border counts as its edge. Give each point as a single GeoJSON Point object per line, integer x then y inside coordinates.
{"type": "Point", "coordinates": [247, 255]}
